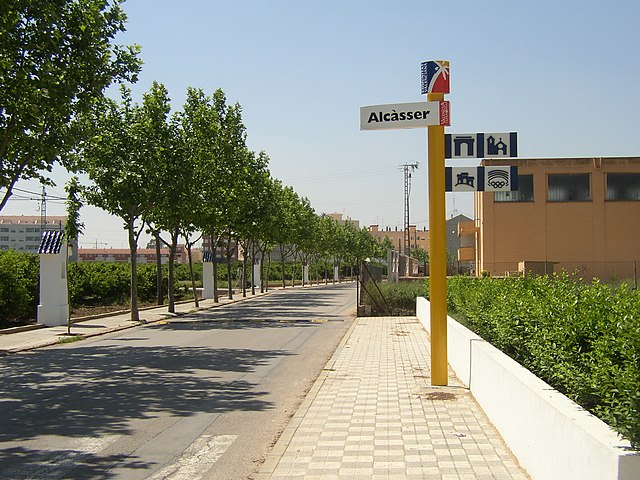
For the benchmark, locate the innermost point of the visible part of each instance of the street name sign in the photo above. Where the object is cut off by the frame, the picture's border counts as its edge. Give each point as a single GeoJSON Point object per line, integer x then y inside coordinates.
{"type": "Point", "coordinates": [481, 179]}
{"type": "Point", "coordinates": [480, 145]}
{"type": "Point", "coordinates": [404, 115]}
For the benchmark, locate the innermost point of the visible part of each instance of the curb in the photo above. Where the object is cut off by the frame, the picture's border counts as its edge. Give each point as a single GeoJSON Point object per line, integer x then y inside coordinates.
{"type": "Point", "coordinates": [23, 328]}
{"type": "Point", "coordinates": [273, 457]}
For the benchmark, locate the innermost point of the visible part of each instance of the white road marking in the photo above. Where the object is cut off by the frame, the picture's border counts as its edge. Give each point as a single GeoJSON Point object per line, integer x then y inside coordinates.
{"type": "Point", "coordinates": [68, 453]}
{"type": "Point", "coordinates": [196, 459]}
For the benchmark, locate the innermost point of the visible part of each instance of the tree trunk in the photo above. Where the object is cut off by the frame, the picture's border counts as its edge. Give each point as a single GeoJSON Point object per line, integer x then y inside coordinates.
{"type": "Point", "coordinates": [244, 272]}
{"type": "Point", "coordinates": [172, 258]}
{"type": "Point", "coordinates": [253, 270]}
{"type": "Point", "coordinates": [133, 252]}
{"type": "Point", "coordinates": [229, 286]}
{"type": "Point", "coordinates": [268, 273]}
{"type": "Point", "coordinates": [214, 250]}
{"type": "Point", "coordinates": [159, 292]}
{"type": "Point", "coordinates": [215, 280]}
{"type": "Point", "coordinates": [193, 280]}
{"type": "Point", "coordinates": [284, 285]}
{"type": "Point", "coordinates": [66, 275]}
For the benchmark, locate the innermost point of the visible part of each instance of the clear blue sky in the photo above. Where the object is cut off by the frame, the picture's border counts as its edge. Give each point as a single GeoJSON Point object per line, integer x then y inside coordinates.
{"type": "Point", "coordinates": [565, 75]}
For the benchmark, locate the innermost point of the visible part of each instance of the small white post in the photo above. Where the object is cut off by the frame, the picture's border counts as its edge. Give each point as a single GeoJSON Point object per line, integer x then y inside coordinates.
{"type": "Point", "coordinates": [256, 273]}
{"type": "Point", "coordinates": [305, 273]}
{"type": "Point", "coordinates": [207, 279]}
{"type": "Point", "coordinates": [53, 309]}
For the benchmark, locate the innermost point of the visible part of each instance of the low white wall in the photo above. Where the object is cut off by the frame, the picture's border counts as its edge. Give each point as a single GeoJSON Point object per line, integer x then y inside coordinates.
{"type": "Point", "coordinates": [552, 437]}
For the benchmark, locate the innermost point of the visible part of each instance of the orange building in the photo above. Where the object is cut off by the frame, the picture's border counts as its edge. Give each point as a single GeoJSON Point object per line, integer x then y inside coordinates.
{"type": "Point", "coordinates": [579, 215]}
{"type": "Point", "coordinates": [418, 238]}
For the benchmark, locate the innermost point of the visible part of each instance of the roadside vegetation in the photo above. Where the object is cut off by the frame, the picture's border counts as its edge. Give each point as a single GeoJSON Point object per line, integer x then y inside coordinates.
{"type": "Point", "coordinates": [99, 286]}
{"type": "Point", "coordinates": [582, 339]}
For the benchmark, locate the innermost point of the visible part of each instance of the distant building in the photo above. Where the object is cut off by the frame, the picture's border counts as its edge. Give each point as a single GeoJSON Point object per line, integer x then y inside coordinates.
{"type": "Point", "coordinates": [145, 255]}
{"type": "Point", "coordinates": [456, 265]}
{"type": "Point", "coordinates": [221, 250]}
{"type": "Point", "coordinates": [418, 238]}
{"type": "Point", "coordinates": [23, 232]}
{"type": "Point", "coordinates": [338, 217]}
{"type": "Point", "coordinates": [572, 214]}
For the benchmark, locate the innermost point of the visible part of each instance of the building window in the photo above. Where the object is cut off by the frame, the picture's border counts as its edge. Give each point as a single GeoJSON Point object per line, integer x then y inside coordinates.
{"type": "Point", "coordinates": [524, 193]}
{"type": "Point", "coordinates": [568, 187]}
{"type": "Point", "coordinates": [623, 186]}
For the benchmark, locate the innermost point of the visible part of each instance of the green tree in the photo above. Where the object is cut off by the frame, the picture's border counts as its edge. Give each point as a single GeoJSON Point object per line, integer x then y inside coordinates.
{"type": "Point", "coordinates": [252, 208]}
{"type": "Point", "coordinates": [217, 139]}
{"type": "Point", "coordinates": [74, 227]}
{"type": "Point", "coordinates": [199, 127]}
{"type": "Point", "coordinates": [422, 255]}
{"type": "Point", "coordinates": [56, 60]}
{"type": "Point", "coordinates": [170, 179]}
{"type": "Point", "coordinates": [269, 225]}
{"type": "Point", "coordinates": [290, 211]}
{"type": "Point", "coordinates": [119, 158]}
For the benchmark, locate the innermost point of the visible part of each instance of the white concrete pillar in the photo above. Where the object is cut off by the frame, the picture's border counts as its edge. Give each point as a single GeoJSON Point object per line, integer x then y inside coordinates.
{"type": "Point", "coordinates": [336, 273]}
{"type": "Point", "coordinates": [53, 308]}
{"type": "Point", "coordinates": [207, 280]}
{"type": "Point", "coordinates": [305, 273]}
{"type": "Point", "coordinates": [256, 273]}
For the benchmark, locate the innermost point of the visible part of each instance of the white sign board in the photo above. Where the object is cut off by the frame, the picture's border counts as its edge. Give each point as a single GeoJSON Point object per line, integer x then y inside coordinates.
{"type": "Point", "coordinates": [404, 115]}
{"type": "Point", "coordinates": [481, 179]}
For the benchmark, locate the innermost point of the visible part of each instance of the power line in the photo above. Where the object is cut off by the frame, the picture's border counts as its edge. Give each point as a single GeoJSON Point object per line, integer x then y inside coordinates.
{"type": "Point", "coordinates": [341, 176]}
{"type": "Point", "coordinates": [39, 194]}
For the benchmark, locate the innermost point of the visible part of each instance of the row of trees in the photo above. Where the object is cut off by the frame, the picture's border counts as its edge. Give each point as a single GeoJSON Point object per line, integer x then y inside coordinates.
{"type": "Point", "coordinates": [174, 175]}
{"type": "Point", "coordinates": [188, 172]}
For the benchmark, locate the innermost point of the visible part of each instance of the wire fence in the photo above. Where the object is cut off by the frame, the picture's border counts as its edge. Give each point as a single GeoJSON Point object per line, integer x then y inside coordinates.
{"type": "Point", "coordinates": [610, 272]}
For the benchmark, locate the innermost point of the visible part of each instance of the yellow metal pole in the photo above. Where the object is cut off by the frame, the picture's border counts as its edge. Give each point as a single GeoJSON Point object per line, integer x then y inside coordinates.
{"type": "Point", "coordinates": [437, 252]}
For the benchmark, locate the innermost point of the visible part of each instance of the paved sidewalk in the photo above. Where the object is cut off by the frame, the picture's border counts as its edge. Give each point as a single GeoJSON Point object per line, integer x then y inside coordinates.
{"type": "Point", "coordinates": [43, 336]}
{"type": "Point", "coordinates": [372, 414]}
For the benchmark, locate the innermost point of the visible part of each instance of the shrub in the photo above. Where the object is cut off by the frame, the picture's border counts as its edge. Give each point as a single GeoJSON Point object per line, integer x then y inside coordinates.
{"type": "Point", "coordinates": [584, 340]}
{"type": "Point", "coordinates": [19, 274]}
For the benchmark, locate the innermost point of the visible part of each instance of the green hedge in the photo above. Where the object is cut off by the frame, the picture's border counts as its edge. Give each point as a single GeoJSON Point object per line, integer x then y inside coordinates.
{"type": "Point", "coordinates": [90, 284]}
{"type": "Point", "coordinates": [584, 340]}
{"type": "Point", "coordinates": [104, 283]}
{"type": "Point", "coordinates": [18, 287]}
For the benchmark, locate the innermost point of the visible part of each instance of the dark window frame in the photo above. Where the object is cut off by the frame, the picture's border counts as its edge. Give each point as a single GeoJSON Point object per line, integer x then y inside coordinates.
{"type": "Point", "coordinates": [624, 191]}
{"type": "Point", "coordinates": [519, 196]}
{"type": "Point", "coordinates": [567, 187]}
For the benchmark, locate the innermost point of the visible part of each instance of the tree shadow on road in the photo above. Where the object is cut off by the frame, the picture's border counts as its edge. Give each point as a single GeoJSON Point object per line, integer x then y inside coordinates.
{"type": "Point", "coordinates": [24, 463]}
{"type": "Point", "coordinates": [93, 391]}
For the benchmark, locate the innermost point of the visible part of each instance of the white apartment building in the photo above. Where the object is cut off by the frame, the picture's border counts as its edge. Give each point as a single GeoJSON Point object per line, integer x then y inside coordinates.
{"type": "Point", "coordinates": [23, 232]}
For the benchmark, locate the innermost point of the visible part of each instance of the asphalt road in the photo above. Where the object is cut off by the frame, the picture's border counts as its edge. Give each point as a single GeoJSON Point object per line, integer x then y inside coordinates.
{"type": "Point", "coordinates": [203, 396]}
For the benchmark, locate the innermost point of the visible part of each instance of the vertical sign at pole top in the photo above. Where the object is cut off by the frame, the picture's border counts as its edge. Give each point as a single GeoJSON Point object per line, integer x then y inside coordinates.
{"type": "Point", "coordinates": [435, 84]}
{"type": "Point", "coordinates": [435, 77]}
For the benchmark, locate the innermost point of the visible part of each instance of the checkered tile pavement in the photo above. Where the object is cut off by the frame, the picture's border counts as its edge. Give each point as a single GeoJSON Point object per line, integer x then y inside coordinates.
{"type": "Point", "coordinates": [372, 414]}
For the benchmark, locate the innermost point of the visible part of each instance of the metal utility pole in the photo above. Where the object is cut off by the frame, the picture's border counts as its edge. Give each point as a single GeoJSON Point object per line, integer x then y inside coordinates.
{"type": "Point", "coordinates": [407, 168]}
{"type": "Point", "coordinates": [43, 210]}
